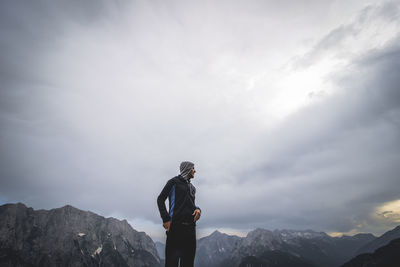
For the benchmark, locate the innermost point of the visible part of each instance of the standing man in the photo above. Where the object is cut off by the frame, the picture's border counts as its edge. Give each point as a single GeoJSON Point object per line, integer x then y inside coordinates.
{"type": "Point", "coordinates": [180, 221]}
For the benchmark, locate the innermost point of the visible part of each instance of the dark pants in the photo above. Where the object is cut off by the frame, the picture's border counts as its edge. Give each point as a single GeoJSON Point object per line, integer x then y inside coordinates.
{"type": "Point", "coordinates": [180, 245]}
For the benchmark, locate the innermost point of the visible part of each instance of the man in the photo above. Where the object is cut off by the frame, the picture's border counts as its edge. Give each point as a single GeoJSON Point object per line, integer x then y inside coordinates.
{"type": "Point", "coordinates": [180, 221]}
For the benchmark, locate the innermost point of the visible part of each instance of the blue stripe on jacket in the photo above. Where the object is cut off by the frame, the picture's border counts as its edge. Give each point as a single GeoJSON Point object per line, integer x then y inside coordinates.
{"type": "Point", "coordinates": [172, 202]}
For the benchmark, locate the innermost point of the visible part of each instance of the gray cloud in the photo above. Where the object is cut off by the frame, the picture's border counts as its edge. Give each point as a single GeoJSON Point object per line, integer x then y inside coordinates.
{"type": "Point", "coordinates": [335, 41]}
{"type": "Point", "coordinates": [99, 102]}
{"type": "Point", "coordinates": [334, 162]}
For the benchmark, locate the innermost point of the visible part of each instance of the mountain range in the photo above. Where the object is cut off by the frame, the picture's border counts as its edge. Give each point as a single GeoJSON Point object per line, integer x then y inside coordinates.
{"type": "Point", "coordinates": [264, 248]}
{"type": "Point", "coordinates": [68, 236]}
{"type": "Point", "coordinates": [307, 247]}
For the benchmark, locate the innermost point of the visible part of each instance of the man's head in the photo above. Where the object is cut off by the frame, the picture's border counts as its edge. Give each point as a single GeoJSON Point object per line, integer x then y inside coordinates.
{"type": "Point", "coordinates": [187, 169]}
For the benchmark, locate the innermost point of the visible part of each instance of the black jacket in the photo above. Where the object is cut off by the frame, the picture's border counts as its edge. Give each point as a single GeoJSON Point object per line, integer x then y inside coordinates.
{"type": "Point", "coordinates": [181, 196]}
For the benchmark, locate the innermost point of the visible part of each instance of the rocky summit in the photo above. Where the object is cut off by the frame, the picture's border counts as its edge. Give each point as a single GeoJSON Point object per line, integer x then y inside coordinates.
{"type": "Point", "coordinates": [68, 236]}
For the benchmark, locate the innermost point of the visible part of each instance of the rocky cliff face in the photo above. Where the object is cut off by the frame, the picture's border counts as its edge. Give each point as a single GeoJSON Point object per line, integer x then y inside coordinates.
{"type": "Point", "coordinates": [70, 237]}
{"type": "Point", "coordinates": [214, 249]}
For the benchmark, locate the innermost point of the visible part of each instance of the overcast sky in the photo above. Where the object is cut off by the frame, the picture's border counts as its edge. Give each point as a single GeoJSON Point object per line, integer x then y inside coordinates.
{"type": "Point", "coordinates": [290, 110]}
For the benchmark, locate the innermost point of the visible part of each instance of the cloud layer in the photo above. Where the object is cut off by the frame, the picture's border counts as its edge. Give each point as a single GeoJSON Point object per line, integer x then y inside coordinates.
{"type": "Point", "coordinates": [290, 113]}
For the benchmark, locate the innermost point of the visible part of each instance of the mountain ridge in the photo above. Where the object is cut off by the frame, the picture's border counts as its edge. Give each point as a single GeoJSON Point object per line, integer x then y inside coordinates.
{"type": "Point", "coordinates": [382, 240]}
{"type": "Point", "coordinates": [69, 236]}
{"type": "Point", "coordinates": [43, 237]}
{"type": "Point", "coordinates": [306, 247]}
{"type": "Point", "coordinates": [385, 256]}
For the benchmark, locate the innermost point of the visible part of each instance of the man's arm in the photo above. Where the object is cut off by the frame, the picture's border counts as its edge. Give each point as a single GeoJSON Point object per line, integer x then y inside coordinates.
{"type": "Point", "coordinates": [161, 201]}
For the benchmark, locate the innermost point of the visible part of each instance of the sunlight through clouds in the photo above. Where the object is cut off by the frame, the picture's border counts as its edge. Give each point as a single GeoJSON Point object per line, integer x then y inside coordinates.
{"type": "Point", "coordinates": [389, 212]}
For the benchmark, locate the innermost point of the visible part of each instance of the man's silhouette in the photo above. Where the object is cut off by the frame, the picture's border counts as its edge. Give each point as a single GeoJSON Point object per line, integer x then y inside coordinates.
{"type": "Point", "coordinates": [180, 221]}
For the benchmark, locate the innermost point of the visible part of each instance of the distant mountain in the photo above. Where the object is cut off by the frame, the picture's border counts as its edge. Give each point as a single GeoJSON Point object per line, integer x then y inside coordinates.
{"type": "Point", "coordinates": [304, 247]}
{"type": "Point", "coordinates": [347, 246]}
{"type": "Point", "coordinates": [275, 259]}
{"type": "Point", "coordinates": [380, 241]}
{"type": "Point", "coordinates": [386, 256]}
{"type": "Point", "coordinates": [160, 249]}
{"type": "Point", "coordinates": [68, 236]}
{"type": "Point", "coordinates": [215, 248]}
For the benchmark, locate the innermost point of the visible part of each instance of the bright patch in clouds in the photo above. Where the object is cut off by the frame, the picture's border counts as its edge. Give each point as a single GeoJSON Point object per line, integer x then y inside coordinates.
{"type": "Point", "coordinates": [297, 79]}
{"type": "Point", "coordinates": [389, 212]}
{"type": "Point", "coordinates": [301, 87]}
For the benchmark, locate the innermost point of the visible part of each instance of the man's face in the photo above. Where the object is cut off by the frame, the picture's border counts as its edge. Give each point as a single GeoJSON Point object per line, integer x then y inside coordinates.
{"type": "Point", "coordinates": [191, 174]}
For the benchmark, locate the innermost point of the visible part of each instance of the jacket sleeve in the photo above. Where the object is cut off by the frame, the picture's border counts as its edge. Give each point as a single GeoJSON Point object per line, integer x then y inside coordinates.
{"type": "Point", "coordinates": [161, 201]}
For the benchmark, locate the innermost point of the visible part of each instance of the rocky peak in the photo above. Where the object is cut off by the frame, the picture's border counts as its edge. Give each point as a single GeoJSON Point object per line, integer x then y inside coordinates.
{"type": "Point", "coordinates": [216, 233]}
{"type": "Point", "coordinates": [261, 236]}
{"type": "Point", "coordinates": [215, 248]}
{"type": "Point", "coordinates": [68, 234]}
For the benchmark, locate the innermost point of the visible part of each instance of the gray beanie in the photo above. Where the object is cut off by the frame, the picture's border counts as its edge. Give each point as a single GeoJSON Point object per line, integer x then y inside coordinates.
{"type": "Point", "coordinates": [186, 167]}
